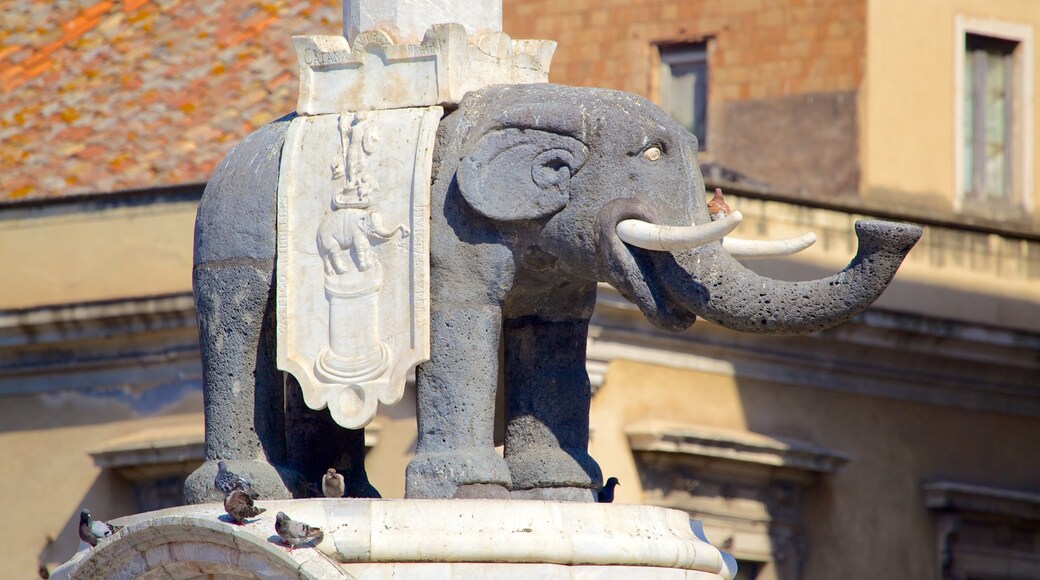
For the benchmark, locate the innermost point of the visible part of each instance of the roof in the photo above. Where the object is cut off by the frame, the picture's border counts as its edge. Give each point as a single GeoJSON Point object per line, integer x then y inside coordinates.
{"type": "Point", "coordinates": [102, 96]}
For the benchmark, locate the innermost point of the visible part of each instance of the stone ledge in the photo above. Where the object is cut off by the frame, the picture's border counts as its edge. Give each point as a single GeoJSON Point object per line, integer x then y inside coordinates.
{"type": "Point", "coordinates": [952, 496]}
{"type": "Point", "coordinates": [751, 449]}
{"type": "Point", "coordinates": [419, 538]}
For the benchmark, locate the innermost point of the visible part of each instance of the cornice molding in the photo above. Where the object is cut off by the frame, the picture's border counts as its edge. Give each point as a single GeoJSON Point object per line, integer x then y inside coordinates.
{"type": "Point", "coordinates": [99, 344]}
{"type": "Point", "coordinates": [752, 449]}
{"type": "Point", "coordinates": [878, 353]}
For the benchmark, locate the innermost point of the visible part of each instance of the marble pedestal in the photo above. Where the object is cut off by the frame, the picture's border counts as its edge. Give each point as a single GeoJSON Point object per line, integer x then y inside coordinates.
{"type": "Point", "coordinates": [377, 539]}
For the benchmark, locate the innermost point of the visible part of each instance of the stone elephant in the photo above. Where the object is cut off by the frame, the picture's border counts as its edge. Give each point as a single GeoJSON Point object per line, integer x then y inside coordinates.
{"type": "Point", "coordinates": [532, 184]}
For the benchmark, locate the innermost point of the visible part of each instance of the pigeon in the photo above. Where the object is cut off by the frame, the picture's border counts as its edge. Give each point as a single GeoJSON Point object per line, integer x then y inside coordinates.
{"type": "Point", "coordinates": [332, 484]}
{"type": "Point", "coordinates": [227, 482]}
{"type": "Point", "coordinates": [294, 533]}
{"type": "Point", "coordinates": [717, 206]}
{"type": "Point", "coordinates": [91, 530]}
{"type": "Point", "coordinates": [606, 495]}
{"type": "Point", "coordinates": [240, 506]}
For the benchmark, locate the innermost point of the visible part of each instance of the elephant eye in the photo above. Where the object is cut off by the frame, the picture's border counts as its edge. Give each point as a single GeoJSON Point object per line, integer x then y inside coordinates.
{"type": "Point", "coordinates": [652, 153]}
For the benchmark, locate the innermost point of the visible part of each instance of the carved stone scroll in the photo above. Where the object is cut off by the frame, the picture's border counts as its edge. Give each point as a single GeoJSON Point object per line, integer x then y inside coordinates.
{"type": "Point", "coordinates": [353, 263]}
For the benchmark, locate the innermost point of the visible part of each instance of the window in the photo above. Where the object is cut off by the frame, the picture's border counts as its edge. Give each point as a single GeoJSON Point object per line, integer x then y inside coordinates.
{"type": "Point", "coordinates": [984, 533]}
{"type": "Point", "coordinates": [993, 118]}
{"type": "Point", "coordinates": [683, 79]}
{"type": "Point", "coordinates": [988, 117]}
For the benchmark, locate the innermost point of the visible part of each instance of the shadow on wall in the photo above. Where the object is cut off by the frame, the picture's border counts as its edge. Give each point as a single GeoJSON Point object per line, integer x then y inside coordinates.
{"type": "Point", "coordinates": [98, 406]}
{"type": "Point", "coordinates": [897, 395]}
{"type": "Point", "coordinates": [895, 447]}
{"type": "Point", "coordinates": [109, 497]}
{"type": "Point", "coordinates": [910, 400]}
{"type": "Point", "coordinates": [930, 300]}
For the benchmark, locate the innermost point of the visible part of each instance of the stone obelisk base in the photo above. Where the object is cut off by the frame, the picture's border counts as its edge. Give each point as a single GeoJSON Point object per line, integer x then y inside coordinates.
{"type": "Point", "coordinates": [376, 539]}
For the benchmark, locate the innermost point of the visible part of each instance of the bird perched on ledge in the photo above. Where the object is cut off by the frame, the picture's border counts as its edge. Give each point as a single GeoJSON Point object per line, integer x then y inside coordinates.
{"type": "Point", "coordinates": [228, 481]}
{"type": "Point", "coordinates": [717, 206]}
{"type": "Point", "coordinates": [91, 530]}
{"type": "Point", "coordinates": [606, 495]}
{"type": "Point", "coordinates": [240, 506]}
{"type": "Point", "coordinates": [332, 484]}
{"type": "Point", "coordinates": [294, 533]}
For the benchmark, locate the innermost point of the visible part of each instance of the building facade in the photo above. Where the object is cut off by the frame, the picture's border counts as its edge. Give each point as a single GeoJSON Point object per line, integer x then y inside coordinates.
{"type": "Point", "coordinates": [896, 445]}
{"type": "Point", "coordinates": [899, 430]}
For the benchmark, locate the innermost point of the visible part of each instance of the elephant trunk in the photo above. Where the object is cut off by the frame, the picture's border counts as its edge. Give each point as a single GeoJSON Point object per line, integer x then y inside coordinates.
{"type": "Point", "coordinates": [673, 288]}
{"type": "Point", "coordinates": [712, 284]}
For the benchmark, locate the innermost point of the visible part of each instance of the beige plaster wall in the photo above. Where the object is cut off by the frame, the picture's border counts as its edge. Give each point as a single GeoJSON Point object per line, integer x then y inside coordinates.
{"type": "Point", "coordinates": [875, 502]}
{"type": "Point", "coordinates": [907, 100]}
{"type": "Point", "coordinates": [51, 257]}
{"type": "Point", "coordinates": [48, 474]}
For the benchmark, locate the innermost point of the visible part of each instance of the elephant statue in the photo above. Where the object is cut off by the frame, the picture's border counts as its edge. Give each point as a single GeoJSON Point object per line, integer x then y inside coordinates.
{"type": "Point", "coordinates": [531, 184]}
{"type": "Point", "coordinates": [539, 192]}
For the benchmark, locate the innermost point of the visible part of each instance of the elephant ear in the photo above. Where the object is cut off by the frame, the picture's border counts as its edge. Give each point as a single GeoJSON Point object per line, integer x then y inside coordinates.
{"type": "Point", "coordinates": [518, 174]}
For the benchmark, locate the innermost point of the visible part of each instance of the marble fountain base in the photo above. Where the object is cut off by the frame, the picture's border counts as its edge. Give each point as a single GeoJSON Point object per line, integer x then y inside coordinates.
{"type": "Point", "coordinates": [435, 539]}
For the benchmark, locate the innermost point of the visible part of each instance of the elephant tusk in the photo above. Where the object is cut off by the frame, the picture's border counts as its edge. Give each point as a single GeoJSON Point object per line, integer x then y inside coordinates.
{"type": "Point", "coordinates": [758, 249]}
{"type": "Point", "coordinates": [670, 238]}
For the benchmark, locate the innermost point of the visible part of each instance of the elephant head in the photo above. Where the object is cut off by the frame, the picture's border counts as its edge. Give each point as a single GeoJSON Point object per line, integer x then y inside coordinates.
{"type": "Point", "coordinates": [540, 192]}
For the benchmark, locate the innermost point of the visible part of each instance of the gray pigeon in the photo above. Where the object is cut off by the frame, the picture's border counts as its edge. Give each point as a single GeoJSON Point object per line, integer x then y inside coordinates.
{"type": "Point", "coordinates": [294, 533]}
{"type": "Point", "coordinates": [227, 482]}
{"type": "Point", "coordinates": [332, 484]}
{"type": "Point", "coordinates": [91, 530]}
{"type": "Point", "coordinates": [240, 506]}
{"type": "Point", "coordinates": [606, 495]}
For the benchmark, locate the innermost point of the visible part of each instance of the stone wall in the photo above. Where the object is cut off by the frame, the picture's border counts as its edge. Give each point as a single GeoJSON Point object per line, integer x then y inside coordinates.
{"type": "Point", "coordinates": [801, 61]}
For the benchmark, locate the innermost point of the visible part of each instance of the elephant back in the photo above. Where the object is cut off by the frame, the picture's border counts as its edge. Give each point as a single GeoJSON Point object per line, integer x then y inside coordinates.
{"type": "Point", "coordinates": [236, 217]}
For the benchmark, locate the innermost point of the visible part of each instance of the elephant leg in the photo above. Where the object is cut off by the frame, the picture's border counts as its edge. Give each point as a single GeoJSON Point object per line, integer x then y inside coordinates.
{"type": "Point", "coordinates": [455, 407]}
{"type": "Point", "coordinates": [232, 278]}
{"type": "Point", "coordinates": [242, 388]}
{"type": "Point", "coordinates": [547, 403]}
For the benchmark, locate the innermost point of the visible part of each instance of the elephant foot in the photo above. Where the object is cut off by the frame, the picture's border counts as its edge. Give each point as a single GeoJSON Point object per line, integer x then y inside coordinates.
{"type": "Point", "coordinates": [481, 491]}
{"type": "Point", "coordinates": [269, 481]}
{"type": "Point", "coordinates": [470, 473]}
{"type": "Point", "coordinates": [552, 467]}
{"type": "Point", "coordinates": [575, 494]}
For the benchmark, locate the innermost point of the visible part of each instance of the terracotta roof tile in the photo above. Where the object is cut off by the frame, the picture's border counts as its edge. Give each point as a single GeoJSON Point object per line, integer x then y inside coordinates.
{"type": "Point", "coordinates": [100, 96]}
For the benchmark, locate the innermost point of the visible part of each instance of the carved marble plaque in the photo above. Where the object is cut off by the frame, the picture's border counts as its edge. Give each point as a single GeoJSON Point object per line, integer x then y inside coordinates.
{"type": "Point", "coordinates": [353, 258]}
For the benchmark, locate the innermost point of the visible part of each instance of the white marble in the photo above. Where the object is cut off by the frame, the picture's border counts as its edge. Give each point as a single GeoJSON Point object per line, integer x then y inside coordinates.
{"type": "Point", "coordinates": [376, 72]}
{"type": "Point", "coordinates": [408, 20]}
{"type": "Point", "coordinates": [417, 539]}
{"type": "Point", "coordinates": [353, 259]}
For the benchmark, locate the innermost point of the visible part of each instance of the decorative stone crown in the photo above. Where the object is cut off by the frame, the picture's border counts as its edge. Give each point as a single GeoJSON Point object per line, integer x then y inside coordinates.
{"type": "Point", "coordinates": [376, 73]}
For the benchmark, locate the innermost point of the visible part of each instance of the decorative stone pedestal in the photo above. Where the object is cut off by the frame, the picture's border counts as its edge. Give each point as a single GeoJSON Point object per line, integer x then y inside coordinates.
{"type": "Point", "coordinates": [377, 539]}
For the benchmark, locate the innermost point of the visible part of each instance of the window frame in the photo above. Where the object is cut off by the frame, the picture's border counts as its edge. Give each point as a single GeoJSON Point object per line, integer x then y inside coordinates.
{"type": "Point", "coordinates": [1021, 139]}
{"type": "Point", "coordinates": [684, 53]}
